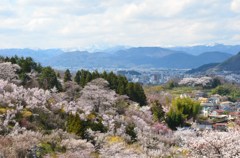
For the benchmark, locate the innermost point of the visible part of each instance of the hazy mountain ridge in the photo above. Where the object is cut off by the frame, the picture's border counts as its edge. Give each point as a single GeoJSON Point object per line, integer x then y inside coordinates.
{"type": "Point", "coordinates": [148, 57]}
{"type": "Point", "coordinates": [39, 55]}
{"type": "Point", "coordinates": [232, 64]}
{"type": "Point", "coordinates": [135, 58]}
{"type": "Point", "coordinates": [202, 69]}
{"type": "Point", "coordinates": [198, 49]}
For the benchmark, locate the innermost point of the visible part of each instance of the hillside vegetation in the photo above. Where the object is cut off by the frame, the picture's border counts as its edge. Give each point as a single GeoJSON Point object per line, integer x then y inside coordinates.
{"type": "Point", "coordinates": [97, 115]}
{"type": "Point", "coordinates": [144, 57]}
{"type": "Point", "coordinates": [232, 65]}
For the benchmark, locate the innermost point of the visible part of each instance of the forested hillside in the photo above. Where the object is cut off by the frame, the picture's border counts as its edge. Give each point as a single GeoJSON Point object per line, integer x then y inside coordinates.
{"type": "Point", "coordinates": [92, 114]}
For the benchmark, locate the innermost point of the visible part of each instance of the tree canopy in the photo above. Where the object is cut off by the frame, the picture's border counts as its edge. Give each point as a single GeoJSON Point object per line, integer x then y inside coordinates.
{"type": "Point", "coordinates": [67, 76]}
{"type": "Point", "coordinates": [181, 110]}
{"type": "Point", "coordinates": [48, 79]}
{"type": "Point", "coordinates": [117, 82]}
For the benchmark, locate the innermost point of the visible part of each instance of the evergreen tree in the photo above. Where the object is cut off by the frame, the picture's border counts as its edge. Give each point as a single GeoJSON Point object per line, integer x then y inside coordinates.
{"type": "Point", "coordinates": [58, 75]}
{"type": "Point", "coordinates": [139, 94]}
{"type": "Point", "coordinates": [175, 119]}
{"type": "Point", "coordinates": [27, 64]}
{"type": "Point", "coordinates": [130, 90]}
{"type": "Point", "coordinates": [118, 83]}
{"type": "Point", "coordinates": [95, 74]}
{"type": "Point", "coordinates": [157, 111]}
{"type": "Point", "coordinates": [48, 79]}
{"type": "Point", "coordinates": [77, 77]}
{"type": "Point", "coordinates": [121, 89]}
{"type": "Point", "coordinates": [104, 75]}
{"type": "Point", "coordinates": [13, 60]}
{"type": "Point", "coordinates": [83, 78]}
{"type": "Point", "coordinates": [130, 131]}
{"type": "Point", "coordinates": [122, 85]}
{"type": "Point", "coordinates": [67, 76]}
{"type": "Point", "coordinates": [74, 124]}
{"type": "Point", "coordinates": [88, 77]}
{"type": "Point", "coordinates": [181, 110]}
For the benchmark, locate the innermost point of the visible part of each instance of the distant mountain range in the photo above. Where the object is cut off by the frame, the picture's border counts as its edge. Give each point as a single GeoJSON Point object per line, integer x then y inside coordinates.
{"type": "Point", "coordinates": [199, 49]}
{"type": "Point", "coordinates": [142, 57]}
{"type": "Point", "coordinates": [135, 57]}
{"type": "Point", "coordinates": [40, 55]}
{"type": "Point", "coordinates": [232, 64]}
{"type": "Point", "coordinates": [203, 69]}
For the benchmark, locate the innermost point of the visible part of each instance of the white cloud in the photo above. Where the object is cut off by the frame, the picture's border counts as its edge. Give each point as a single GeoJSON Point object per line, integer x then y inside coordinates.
{"type": "Point", "coordinates": [80, 23]}
{"type": "Point", "coordinates": [235, 6]}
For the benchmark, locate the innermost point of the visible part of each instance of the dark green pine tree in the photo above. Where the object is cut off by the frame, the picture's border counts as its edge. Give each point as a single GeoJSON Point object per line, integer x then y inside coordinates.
{"type": "Point", "coordinates": [130, 91]}
{"type": "Point", "coordinates": [74, 124]}
{"type": "Point", "coordinates": [157, 111]}
{"type": "Point", "coordinates": [58, 75]}
{"type": "Point", "coordinates": [88, 77]}
{"type": "Point", "coordinates": [121, 85]}
{"type": "Point", "coordinates": [174, 119]}
{"type": "Point", "coordinates": [139, 94]}
{"type": "Point", "coordinates": [77, 77]}
{"type": "Point", "coordinates": [83, 78]}
{"type": "Point", "coordinates": [112, 79]}
{"type": "Point", "coordinates": [13, 60]}
{"type": "Point", "coordinates": [104, 75]}
{"type": "Point", "coordinates": [121, 89]}
{"type": "Point", "coordinates": [48, 79]}
{"type": "Point", "coordinates": [95, 75]}
{"type": "Point", "coordinates": [67, 76]}
{"type": "Point", "coordinates": [70, 120]}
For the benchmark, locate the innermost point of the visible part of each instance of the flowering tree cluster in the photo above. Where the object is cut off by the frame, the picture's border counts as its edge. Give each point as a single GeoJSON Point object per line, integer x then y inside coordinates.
{"type": "Point", "coordinates": [95, 121]}
{"type": "Point", "coordinates": [210, 143]}
{"type": "Point", "coordinates": [8, 71]}
{"type": "Point", "coordinates": [203, 81]}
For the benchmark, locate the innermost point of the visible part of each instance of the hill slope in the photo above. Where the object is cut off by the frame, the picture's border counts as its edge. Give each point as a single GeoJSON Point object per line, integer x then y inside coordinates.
{"type": "Point", "coordinates": [202, 69]}
{"type": "Point", "coordinates": [196, 50]}
{"type": "Point", "coordinates": [232, 64]}
{"type": "Point", "coordinates": [137, 57]}
{"type": "Point", "coordinates": [38, 55]}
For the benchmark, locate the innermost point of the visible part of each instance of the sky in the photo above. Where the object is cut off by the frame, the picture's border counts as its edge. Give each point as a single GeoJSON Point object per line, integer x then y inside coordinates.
{"type": "Point", "coordinates": [106, 23]}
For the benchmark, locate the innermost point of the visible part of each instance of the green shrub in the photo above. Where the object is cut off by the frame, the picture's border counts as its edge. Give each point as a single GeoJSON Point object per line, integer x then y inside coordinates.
{"type": "Point", "coordinates": [130, 131]}
{"type": "Point", "coordinates": [50, 148]}
{"type": "Point", "coordinates": [48, 79]}
{"type": "Point", "coordinates": [157, 111]}
{"type": "Point", "coordinates": [181, 110]}
{"type": "Point", "coordinates": [230, 90]}
{"type": "Point", "coordinates": [77, 126]}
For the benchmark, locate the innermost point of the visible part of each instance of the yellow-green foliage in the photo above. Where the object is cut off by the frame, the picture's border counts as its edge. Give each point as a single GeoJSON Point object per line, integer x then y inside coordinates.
{"type": "Point", "coordinates": [230, 90]}
{"type": "Point", "coordinates": [26, 113]}
{"type": "Point", "coordinates": [51, 101]}
{"type": "Point", "coordinates": [153, 89]}
{"type": "Point", "coordinates": [50, 148]}
{"type": "Point", "coordinates": [62, 110]}
{"type": "Point", "coordinates": [181, 152]}
{"type": "Point", "coordinates": [95, 155]}
{"type": "Point", "coordinates": [182, 109]}
{"type": "Point", "coordinates": [157, 111]}
{"type": "Point", "coordinates": [186, 106]}
{"type": "Point", "coordinates": [180, 90]}
{"type": "Point", "coordinates": [231, 124]}
{"type": "Point", "coordinates": [114, 139]}
{"type": "Point", "coordinates": [91, 116]}
{"type": "Point", "coordinates": [3, 110]}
